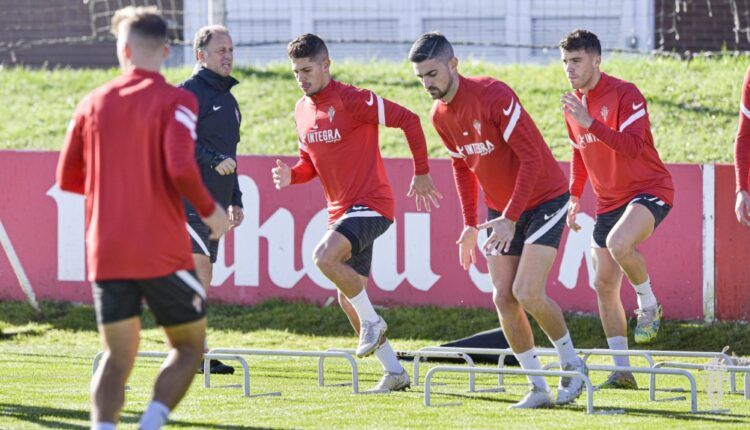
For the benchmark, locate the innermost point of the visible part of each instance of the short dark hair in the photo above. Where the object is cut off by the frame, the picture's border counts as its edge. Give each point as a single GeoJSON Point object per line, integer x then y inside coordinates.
{"type": "Point", "coordinates": [581, 39]}
{"type": "Point", "coordinates": [204, 35]}
{"type": "Point", "coordinates": [143, 21]}
{"type": "Point", "coordinates": [307, 46]}
{"type": "Point", "coordinates": [430, 45]}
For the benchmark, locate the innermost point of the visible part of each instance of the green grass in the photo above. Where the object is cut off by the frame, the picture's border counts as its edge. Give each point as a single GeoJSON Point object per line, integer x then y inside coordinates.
{"type": "Point", "coordinates": [693, 104]}
{"type": "Point", "coordinates": [45, 367]}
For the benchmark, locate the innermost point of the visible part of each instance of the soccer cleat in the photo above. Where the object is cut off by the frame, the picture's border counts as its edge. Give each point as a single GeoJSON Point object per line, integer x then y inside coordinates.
{"type": "Point", "coordinates": [371, 335]}
{"type": "Point", "coordinates": [393, 382]}
{"type": "Point", "coordinates": [648, 324]}
{"type": "Point", "coordinates": [570, 388]}
{"type": "Point", "coordinates": [217, 368]}
{"type": "Point", "coordinates": [621, 380]}
{"type": "Point", "coordinates": [537, 397]}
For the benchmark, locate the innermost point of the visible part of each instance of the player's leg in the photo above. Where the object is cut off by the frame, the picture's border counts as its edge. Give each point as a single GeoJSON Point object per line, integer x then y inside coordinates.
{"type": "Point", "coordinates": [118, 305]}
{"type": "Point", "coordinates": [637, 223]}
{"type": "Point", "coordinates": [338, 257]}
{"type": "Point", "coordinates": [178, 303]}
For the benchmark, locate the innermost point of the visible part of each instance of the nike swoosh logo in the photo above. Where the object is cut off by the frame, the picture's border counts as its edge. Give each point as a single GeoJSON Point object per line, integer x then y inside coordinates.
{"type": "Point", "coordinates": [216, 108]}
{"type": "Point", "coordinates": [637, 106]}
{"type": "Point", "coordinates": [506, 112]}
{"type": "Point", "coordinates": [547, 217]}
{"type": "Point", "coordinates": [369, 102]}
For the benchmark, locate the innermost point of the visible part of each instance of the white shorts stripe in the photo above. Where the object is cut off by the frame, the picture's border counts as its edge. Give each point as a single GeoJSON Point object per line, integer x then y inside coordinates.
{"type": "Point", "coordinates": [362, 214]}
{"type": "Point", "coordinates": [381, 110]}
{"type": "Point", "coordinates": [655, 200]}
{"type": "Point", "coordinates": [548, 225]}
{"type": "Point", "coordinates": [191, 282]}
{"type": "Point", "coordinates": [745, 111]}
{"type": "Point", "coordinates": [633, 118]}
{"type": "Point", "coordinates": [512, 122]}
{"type": "Point", "coordinates": [197, 239]}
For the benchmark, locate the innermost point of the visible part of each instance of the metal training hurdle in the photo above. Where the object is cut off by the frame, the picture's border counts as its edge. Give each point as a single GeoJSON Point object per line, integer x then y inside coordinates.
{"type": "Point", "coordinates": [425, 354]}
{"type": "Point", "coordinates": [297, 353]}
{"type": "Point", "coordinates": [206, 365]}
{"type": "Point", "coordinates": [507, 371]}
{"type": "Point", "coordinates": [693, 366]}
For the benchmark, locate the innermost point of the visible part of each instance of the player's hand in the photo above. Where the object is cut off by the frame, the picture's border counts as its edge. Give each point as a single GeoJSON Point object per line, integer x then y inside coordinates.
{"type": "Point", "coordinates": [466, 245]}
{"type": "Point", "coordinates": [282, 175]}
{"type": "Point", "coordinates": [573, 209]}
{"type": "Point", "coordinates": [572, 105]}
{"type": "Point", "coordinates": [236, 215]}
{"type": "Point", "coordinates": [503, 231]}
{"type": "Point", "coordinates": [742, 208]}
{"type": "Point", "coordinates": [424, 191]}
{"type": "Point", "coordinates": [217, 222]}
{"type": "Point", "coordinates": [226, 167]}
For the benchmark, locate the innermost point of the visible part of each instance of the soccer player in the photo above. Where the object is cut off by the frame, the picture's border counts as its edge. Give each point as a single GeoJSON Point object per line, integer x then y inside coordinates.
{"type": "Point", "coordinates": [742, 156]}
{"type": "Point", "coordinates": [608, 125]}
{"type": "Point", "coordinates": [493, 140]}
{"type": "Point", "coordinates": [216, 146]}
{"type": "Point", "coordinates": [337, 126]}
{"type": "Point", "coordinates": [129, 151]}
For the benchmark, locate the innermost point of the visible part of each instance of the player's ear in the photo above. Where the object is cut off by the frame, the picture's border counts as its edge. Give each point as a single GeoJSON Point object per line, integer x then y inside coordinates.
{"type": "Point", "coordinates": [326, 64]}
{"type": "Point", "coordinates": [165, 51]}
{"type": "Point", "coordinates": [453, 63]}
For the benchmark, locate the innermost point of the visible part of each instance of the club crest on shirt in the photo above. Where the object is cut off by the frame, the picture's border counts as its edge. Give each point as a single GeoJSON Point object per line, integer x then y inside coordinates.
{"type": "Point", "coordinates": [477, 126]}
{"type": "Point", "coordinates": [604, 112]}
{"type": "Point", "coordinates": [331, 113]}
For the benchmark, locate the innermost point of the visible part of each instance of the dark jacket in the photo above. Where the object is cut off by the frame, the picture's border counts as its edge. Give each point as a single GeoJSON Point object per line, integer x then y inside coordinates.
{"type": "Point", "coordinates": [218, 133]}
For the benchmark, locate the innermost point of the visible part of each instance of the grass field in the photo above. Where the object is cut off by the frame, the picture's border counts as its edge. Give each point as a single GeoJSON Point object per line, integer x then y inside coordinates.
{"type": "Point", "coordinates": [45, 368]}
{"type": "Point", "coordinates": [693, 105]}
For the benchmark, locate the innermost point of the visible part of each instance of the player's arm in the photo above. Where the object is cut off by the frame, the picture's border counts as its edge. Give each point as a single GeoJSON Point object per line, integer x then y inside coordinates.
{"type": "Point", "coordinates": [71, 169]}
{"type": "Point", "coordinates": [303, 171]}
{"type": "Point", "coordinates": [370, 108]}
{"type": "Point", "coordinates": [630, 137]}
{"type": "Point", "coordinates": [742, 155]}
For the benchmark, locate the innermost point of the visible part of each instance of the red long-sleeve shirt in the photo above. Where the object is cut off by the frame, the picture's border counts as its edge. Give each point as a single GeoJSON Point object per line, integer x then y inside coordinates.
{"type": "Point", "coordinates": [492, 139]}
{"type": "Point", "coordinates": [617, 151]}
{"type": "Point", "coordinates": [130, 151]}
{"type": "Point", "coordinates": [742, 143]}
{"type": "Point", "coordinates": [338, 141]}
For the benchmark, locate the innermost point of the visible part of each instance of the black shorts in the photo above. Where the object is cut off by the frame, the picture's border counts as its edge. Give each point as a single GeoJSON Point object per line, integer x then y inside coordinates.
{"type": "Point", "coordinates": [199, 237]}
{"type": "Point", "coordinates": [361, 225]}
{"type": "Point", "coordinates": [541, 225]}
{"type": "Point", "coordinates": [605, 222]}
{"type": "Point", "coordinates": [175, 299]}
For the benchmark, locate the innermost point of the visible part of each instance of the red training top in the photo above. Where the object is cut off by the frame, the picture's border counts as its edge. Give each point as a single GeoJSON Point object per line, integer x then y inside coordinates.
{"type": "Point", "coordinates": [742, 144]}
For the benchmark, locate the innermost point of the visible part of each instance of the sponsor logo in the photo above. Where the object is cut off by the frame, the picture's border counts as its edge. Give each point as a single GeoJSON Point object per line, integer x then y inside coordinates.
{"type": "Point", "coordinates": [360, 208]}
{"type": "Point", "coordinates": [478, 148]}
{"type": "Point", "coordinates": [604, 112]}
{"type": "Point", "coordinates": [506, 112]}
{"type": "Point", "coordinates": [331, 113]}
{"type": "Point", "coordinates": [325, 136]}
{"type": "Point", "coordinates": [216, 108]}
{"type": "Point", "coordinates": [583, 140]}
{"type": "Point", "coordinates": [477, 126]}
{"type": "Point", "coordinates": [637, 106]}
{"type": "Point", "coordinates": [369, 102]}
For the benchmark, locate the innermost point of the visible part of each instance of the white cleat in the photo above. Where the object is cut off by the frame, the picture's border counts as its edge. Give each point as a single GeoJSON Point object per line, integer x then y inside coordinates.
{"type": "Point", "coordinates": [571, 388]}
{"type": "Point", "coordinates": [371, 334]}
{"type": "Point", "coordinates": [393, 382]}
{"type": "Point", "coordinates": [537, 397]}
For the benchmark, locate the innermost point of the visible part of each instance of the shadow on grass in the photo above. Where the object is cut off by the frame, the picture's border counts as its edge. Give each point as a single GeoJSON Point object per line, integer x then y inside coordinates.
{"type": "Point", "coordinates": [420, 323]}
{"type": "Point", "coordinates": [59, 418]}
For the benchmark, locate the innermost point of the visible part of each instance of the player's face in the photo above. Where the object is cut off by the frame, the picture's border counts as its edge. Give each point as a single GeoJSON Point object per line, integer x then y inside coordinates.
{"type": "Point", "coordinates": [436, 77]}
{"type": "Point", "coordinates": [312, 75]}
{"type": "Point", "coordinates": [580, 67]}
{"type": "Point", "coordinates": [218, 56]}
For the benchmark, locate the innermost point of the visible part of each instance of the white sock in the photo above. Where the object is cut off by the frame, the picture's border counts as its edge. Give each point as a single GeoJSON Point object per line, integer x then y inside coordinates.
{"type": "Point", "coordinates": [530, 361]}
{"type": "Point", "coordinates": [619, 343]}
{"type": "Point", "coordinates": [388, 358]}
{"type": "Point", "coordinates": [156, 415]}
{"type": "Point", "coordinates": [363, 307]}
{"type": "Point", "coordinates": [646, 298]}
{"type": "Point", "coordinates": [104, 426]}
{"type": "Point", "coordinates": [565, 350]}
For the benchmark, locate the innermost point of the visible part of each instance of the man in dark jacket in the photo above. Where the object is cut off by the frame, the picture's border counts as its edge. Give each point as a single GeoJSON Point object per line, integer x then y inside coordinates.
{"type": "Point", "coordinates": [218, 133]}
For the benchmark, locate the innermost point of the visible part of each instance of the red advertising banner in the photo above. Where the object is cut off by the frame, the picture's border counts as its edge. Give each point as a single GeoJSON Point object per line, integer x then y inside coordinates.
{"type": "Point", "coordinates": [269, 255]}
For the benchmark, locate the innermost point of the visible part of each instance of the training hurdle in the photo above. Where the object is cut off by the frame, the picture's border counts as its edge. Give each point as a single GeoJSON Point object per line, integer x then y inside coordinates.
{"type": "Point", "coordinates": [693, 366]}
{"type": "Point", "coordinates": [506, 371]}
{"type": "Point", "coordinates": [416, 355]}
{"type": "Point", "coordinates": [206, 365]}
{"type": "Point", "coordinates": [297, 353]}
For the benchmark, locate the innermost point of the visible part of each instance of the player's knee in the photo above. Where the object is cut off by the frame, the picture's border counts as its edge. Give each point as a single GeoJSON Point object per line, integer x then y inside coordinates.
{"type": "Point", "coordinates": [503, 298]}
{"type": "Point", "coordinates": [619, 247]}
{"type": "Point", "coordinates": [606, 288]}
{"type": "Point", "coordinates": [323, 259]}
{"type": "Point", "coordinates": [117, 364]}
{"type": "Point", "coordinates": [528, 296]}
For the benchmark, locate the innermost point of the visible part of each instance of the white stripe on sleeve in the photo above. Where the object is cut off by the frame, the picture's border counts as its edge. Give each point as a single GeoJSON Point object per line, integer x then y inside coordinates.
{"type": "Point", "coordinates": [633, 118]}
{"type": "Point", "coordinates": [512, 122]}
{"type": "Point", "coordinates": [381, 110]}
